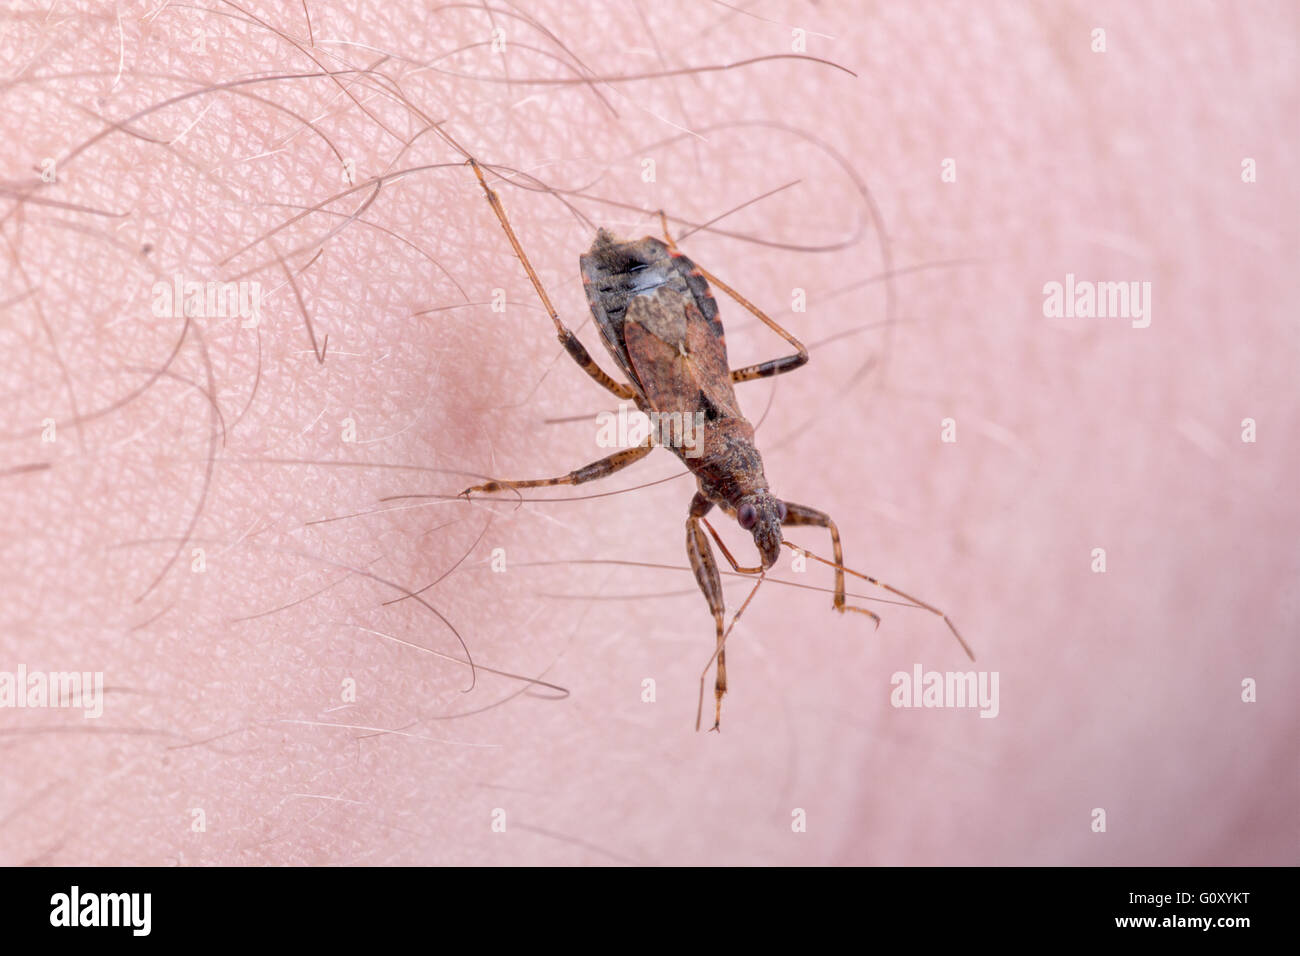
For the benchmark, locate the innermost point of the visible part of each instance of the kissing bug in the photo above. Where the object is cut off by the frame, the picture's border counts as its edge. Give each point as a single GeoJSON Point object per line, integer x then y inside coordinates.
{"type": "Point", "coordinates": [659, 323]}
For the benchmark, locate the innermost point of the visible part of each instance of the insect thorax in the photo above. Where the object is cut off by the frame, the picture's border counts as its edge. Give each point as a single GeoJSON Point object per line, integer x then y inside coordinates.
{"type": "Point", "coordinates": [729, 466]}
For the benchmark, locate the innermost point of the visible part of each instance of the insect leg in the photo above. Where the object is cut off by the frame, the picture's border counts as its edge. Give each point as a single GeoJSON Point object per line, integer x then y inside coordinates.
{"type": "Point", "coordinates": [597, 469]}
{"type": "Point", "coordinates": [779, 366]}
{"type": "Point", "coordinates": [803, 515]}
{"type": "Point", "coordinates": [800, 514]}
{"type": "Point", "coordinates": [710, 582]}
{"type": "Point", "coordinates": [577, 351]}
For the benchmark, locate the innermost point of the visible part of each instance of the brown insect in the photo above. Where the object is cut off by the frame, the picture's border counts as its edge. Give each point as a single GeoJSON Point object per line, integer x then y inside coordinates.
{"type": "Point", "coordinates": [659, 322]}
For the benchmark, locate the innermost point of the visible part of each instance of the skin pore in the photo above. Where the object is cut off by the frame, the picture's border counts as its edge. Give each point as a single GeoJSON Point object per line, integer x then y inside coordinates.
{"type": "Point", "coordinates": [229, 521]}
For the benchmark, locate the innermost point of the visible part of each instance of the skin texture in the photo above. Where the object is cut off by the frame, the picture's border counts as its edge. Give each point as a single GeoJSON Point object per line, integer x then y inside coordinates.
{"type": "Point", "coordinates": [227, 734]}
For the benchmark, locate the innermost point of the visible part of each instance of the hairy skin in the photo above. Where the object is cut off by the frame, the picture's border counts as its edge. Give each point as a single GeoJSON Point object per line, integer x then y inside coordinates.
{"type": "Point", "coordinates": [227, 734]}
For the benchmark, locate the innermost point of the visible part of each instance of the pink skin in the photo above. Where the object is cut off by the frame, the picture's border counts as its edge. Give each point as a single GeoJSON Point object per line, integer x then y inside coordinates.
{"type": "Point", "coordinates": [1119, 691]}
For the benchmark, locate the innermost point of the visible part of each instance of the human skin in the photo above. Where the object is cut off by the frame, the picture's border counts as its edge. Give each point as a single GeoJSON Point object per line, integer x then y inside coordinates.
{"type": "Point", "coordinates": [265, 706]}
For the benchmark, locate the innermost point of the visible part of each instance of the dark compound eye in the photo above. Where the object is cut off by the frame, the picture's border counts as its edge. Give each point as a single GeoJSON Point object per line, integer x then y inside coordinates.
{"type": "Point", "coordinates": [746, 515]}
{"type": "Point", "coordinates": [780, 511]}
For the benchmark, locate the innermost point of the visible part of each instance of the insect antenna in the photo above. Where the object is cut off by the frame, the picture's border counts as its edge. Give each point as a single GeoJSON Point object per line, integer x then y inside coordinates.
{"type": "Point", "coordinates": [893, 590]}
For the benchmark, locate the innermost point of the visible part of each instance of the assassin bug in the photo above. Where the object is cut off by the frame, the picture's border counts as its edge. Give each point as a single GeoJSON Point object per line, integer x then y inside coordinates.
{"type": "Point", "coordinates": [659, 323]}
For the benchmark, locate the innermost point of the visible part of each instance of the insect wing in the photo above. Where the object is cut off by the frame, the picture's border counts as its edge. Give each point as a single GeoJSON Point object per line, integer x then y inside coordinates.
{"type": "Point", "coordinates": [678, 359]}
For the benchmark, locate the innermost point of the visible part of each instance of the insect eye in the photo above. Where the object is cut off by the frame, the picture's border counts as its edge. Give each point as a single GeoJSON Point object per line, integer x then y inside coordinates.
{"type": "Point", "coordinates": [746, 515]}
{"type": "Point", "coordinates": [780, 511]}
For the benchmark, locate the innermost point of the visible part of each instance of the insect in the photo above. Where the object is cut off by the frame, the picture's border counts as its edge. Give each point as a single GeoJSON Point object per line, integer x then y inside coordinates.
{"type": "Point", "coordinates": [659, 323]}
